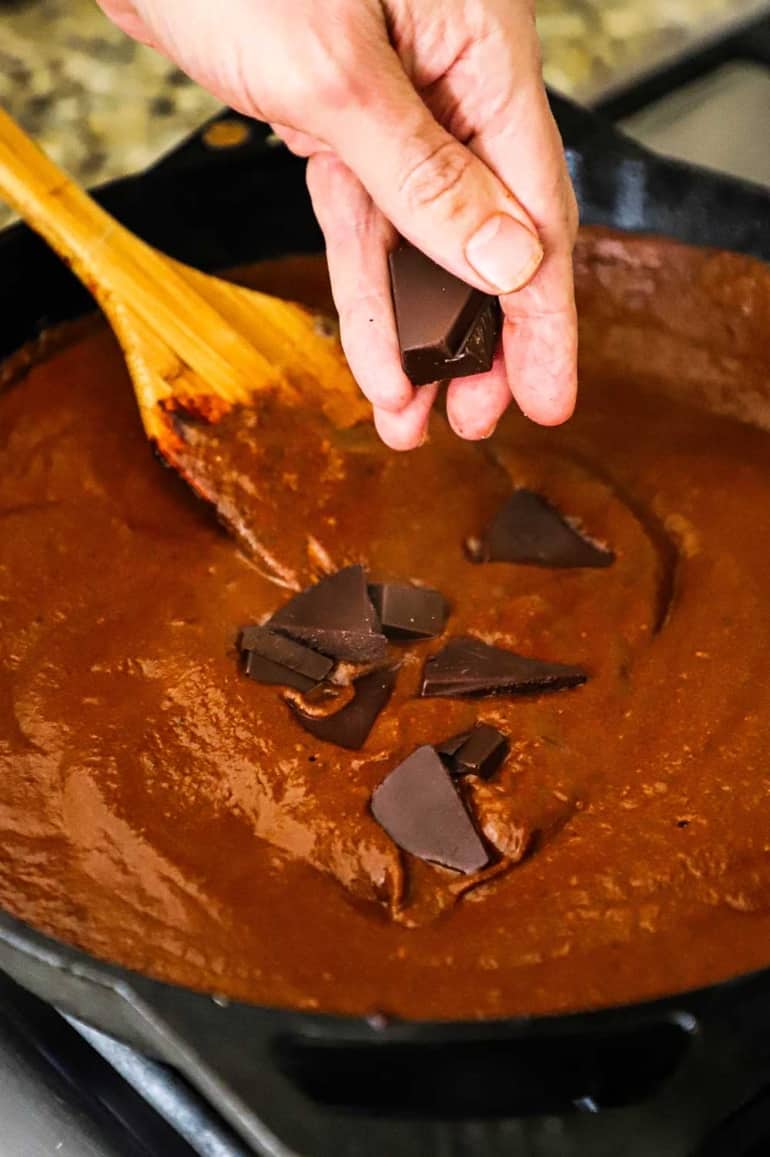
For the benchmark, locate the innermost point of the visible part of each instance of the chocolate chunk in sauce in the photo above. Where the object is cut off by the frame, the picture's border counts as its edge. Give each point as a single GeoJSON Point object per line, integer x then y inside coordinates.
{"type": "Point", "coordinates": [350, 726]}
{"type": "Point", "coordinates": [446, 329]}
{"type": "Point", "coordinates": [448, 748]}
{"type": "Point", "coordinates": [477, 752]}
{"type": "Point", "coordinates": [336, 617]}
{"type": "Point", "coordinates": [468, 666]}
{"type": "Point", "coordinates": [273, 658]}
{"type": "Point", "coordinates": [421, 810]}
{"type": "Point", "coordinates": [528, 529]}
{"type": "Point", "coordinates": [409, 612]}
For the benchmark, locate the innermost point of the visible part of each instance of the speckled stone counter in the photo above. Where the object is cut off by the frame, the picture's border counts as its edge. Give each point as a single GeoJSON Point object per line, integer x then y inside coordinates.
{"type": "Point", "coordinates": [104, 106]}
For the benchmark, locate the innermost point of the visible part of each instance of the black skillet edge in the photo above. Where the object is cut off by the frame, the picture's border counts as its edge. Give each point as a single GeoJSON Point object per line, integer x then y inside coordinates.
{"type": "Point", "coordinates": [217, 209]}
{"type": "Point", "coordinates": [270, 1072]}
{"type": "Point", "coordinates": [622, 185]}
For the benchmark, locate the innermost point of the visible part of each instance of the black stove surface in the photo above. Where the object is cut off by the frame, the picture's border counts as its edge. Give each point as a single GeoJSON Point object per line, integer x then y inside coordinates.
{"type": "Point", "coordinates": [69, 1091]}
{"type": "Point", "coordinates": [710, 107]}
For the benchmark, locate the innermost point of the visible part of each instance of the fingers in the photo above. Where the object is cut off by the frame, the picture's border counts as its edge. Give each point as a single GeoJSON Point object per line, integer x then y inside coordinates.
{"type": "Point", "coordinates": [301, 144]}
{"type": "Point", "coordinates": [474, 405]}
{"type": "Point", "coordinates": [540, 329]}
{"type": "Point", "coordinates": [455, 203]}
{"type": "Point", "coordinates": [522, 144]}
{"type": "Point", "coordinates": [436, 192]}
{"type": "Point", "coordinates": [407, 429]}
{"type": "Point", "coordinates": [357, 241]}
{"type": "Point", "coordinates": [540, 343]}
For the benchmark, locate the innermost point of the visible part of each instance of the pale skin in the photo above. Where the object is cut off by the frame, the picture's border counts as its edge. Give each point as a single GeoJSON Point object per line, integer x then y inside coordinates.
{"type": "Point", "coordinates": [421, 117]}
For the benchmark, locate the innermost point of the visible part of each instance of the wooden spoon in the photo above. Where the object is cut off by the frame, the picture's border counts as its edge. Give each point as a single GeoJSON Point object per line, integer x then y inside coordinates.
{"type": "Point", "coordinates": [195, 345]}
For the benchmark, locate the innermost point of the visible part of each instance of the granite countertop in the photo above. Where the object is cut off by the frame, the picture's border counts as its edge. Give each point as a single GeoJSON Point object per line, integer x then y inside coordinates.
{"type": "Point", "coordinates": [104, 106]}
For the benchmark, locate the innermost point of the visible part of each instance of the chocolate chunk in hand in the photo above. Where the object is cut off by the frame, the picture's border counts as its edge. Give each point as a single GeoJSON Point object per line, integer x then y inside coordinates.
{"type": "Point", "coordinates": [409, 612]}
{"type": "Point", "coordinates": [420, 809]}
{"type": "Point", "coordinates": [530, 530]}
{"type": "Point", "coordinates": [350, 726]}
{"type": "Point", "coordinates": [273, 658]}
{"type": "Point", "coordinates": [335, 617]}
{"type": "Point", "coordinates": [478, 752]}
{"type": "Point", "coordinates": [467, 666]}
{"type": "Point", "coordinates": [446, 329]}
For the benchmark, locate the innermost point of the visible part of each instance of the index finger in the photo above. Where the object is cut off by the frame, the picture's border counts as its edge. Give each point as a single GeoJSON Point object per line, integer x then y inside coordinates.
{"type": "Point", "coordinates": [357, 241]}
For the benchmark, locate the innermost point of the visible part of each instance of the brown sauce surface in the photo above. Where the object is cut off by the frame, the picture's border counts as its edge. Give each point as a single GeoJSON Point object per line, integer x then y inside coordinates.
{"type": "Point", "coordinates": [162, 811]}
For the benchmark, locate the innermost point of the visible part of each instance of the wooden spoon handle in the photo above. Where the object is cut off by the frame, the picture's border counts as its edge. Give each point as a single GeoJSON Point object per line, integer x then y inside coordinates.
{"type": "Point", "coordinates": [121, 270]}
{"type": "Point", "coordinates": [52, 204]}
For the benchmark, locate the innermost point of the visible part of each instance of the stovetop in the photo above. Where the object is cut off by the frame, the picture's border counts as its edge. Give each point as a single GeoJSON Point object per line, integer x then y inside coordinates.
{"type": "Point", "coordinates": [710, 107]}
{"type": "Point", "coordinates": [69, 1091]}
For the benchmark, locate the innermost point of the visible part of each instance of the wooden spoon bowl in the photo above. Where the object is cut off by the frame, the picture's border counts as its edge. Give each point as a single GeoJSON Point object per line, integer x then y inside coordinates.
{"type": "Point", "coordinates": [195, 345]}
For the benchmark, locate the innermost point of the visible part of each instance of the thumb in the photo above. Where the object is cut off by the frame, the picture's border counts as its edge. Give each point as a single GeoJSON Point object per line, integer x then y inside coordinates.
{"type": "Point", "coordinates": [437, 193]}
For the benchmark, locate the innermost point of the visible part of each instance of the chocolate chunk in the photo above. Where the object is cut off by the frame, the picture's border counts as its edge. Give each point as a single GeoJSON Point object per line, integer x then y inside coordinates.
{"type": "Point", "coordinates": [446, 329]}
{"type": "Point", "coordinates": [335, 617]}
{"type": "Point", "coordinates": [529, 530]}
{"type": "Point", "coordinates": [350, 726]}
{"type": "Point", "coordinates": [449, 748]}
{"type": "Point", "coordinates": [419, 808]}
{"type": "Point", "coordinates": [478, 752]}
{"type": "Point", "coordinates": [408, 612]}
{"type": "Point", "coordinates": [273, 658]}
{"type": "Point", "coordinates": [265, 671]}
{"type": "Point", "coordinates": [467, 666]}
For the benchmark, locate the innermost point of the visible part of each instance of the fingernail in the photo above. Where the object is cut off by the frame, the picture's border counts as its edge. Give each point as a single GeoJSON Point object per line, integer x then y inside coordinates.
{"type": "Point", "coordinates": [504, 253]}
{"type": "Point", "coordinates": [475, 435]}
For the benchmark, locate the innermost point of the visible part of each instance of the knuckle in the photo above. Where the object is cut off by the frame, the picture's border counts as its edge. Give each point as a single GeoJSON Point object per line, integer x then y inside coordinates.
{"type": "Point", "coordinates": [437, 177]}
{"type": "Point", "coordinates": [322, 88]}
{"type": "Point", "coordinates": [331, 84]}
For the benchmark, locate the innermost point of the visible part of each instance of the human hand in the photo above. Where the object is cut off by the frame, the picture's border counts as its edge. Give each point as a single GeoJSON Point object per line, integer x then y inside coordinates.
{"type": "Point", "coordinates": [426, 119]}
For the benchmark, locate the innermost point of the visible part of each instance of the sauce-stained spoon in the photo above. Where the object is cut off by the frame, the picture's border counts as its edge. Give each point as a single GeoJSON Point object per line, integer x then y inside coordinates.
{"type": "Point", "coordinates": [198, 348]}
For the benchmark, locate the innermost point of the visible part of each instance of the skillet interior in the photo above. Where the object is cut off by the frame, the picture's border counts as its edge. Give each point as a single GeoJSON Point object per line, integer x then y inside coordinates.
{"type": "Point", "coordinates": [124, 663]}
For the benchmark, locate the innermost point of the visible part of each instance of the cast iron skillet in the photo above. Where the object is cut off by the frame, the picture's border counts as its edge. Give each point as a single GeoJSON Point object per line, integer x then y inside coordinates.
{"type": "Point", "coordinates": [641, 1080]}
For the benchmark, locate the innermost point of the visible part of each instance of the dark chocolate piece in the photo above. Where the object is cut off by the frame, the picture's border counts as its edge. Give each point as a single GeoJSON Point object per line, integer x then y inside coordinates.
{"type": "Point", "coordinates": [446, 329]}
{"type": "Point", "coordinates": [335, 617]}
{"type": "Point", "coordinates": [273, 658]}
{"type": "Point", "coordinates": [477, 752]}
{"type": "Point", "coordinates": [350, 726]}
{"type": "Point", "coordinates": [467, 666]}
{"type": "Point", "coordinates": [529, 529]}
{"type": "Point", "coordinates": [265, 671]}
{"type": "Point", "coordinates": [449, 748]}
{"type": "Point", "coordinates": [420, 809]}
{"type": "Point", "coordinates": [408, 612]}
